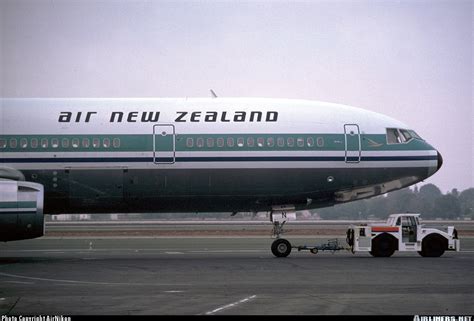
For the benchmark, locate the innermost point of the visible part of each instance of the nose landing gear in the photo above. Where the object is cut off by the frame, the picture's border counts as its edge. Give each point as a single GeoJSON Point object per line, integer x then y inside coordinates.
{"type": "Point", "coordinates": [282, 247]}
{"type": "Point", "coordinates": [279, 216]}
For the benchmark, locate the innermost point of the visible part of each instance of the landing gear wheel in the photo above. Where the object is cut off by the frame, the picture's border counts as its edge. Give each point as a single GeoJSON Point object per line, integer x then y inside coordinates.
{"type": "Point", "coordinates": [281, 248]}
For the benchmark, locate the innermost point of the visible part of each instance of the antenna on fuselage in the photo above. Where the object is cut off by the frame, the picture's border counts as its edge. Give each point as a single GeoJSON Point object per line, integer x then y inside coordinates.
{"type": "Point", "coordinates": [213, 94]}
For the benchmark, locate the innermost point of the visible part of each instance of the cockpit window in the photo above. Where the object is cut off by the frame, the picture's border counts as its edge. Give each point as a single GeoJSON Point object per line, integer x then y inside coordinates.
{"type": "Point", "coordinates": [393, 136]}
{"type": "Point", "coordinates": [406, 135]}
{"type": "Point", "coordinates": [415, 135]}
{"type": "Point", "coordinates": [400, 136]}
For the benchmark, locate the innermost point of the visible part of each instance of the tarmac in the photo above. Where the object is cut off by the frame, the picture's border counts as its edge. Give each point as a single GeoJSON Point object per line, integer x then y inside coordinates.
{"type": "Point", "coordinates": [225, 275]}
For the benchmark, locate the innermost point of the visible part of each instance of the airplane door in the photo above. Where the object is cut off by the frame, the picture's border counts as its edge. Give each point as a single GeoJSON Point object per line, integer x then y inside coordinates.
{"type": "Point", "coordinates": [352, 143]}
{"type": "Point", "coordinates": [164, 145]}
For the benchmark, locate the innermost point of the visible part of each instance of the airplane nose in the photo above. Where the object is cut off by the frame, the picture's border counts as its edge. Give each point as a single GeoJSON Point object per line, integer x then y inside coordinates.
{"type": "Point", "coordinates": [440, 160]}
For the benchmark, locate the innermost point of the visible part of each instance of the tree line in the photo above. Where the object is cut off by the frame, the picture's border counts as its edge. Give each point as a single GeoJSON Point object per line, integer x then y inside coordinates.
{"type": "Point", "coordinates": [428, 200]}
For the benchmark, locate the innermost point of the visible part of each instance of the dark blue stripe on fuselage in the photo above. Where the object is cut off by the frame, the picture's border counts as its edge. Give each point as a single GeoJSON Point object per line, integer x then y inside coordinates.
{"type": "Point", "coordinates": [215, 159]}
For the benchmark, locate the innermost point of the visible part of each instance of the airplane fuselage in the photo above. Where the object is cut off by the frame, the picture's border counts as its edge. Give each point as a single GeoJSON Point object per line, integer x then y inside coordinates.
{"type": "Point", "coordinates": [192, 155]}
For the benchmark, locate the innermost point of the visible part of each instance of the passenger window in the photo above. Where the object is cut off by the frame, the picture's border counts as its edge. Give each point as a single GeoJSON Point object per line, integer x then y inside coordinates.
{"type": "Point", "coordinates": [44, 143]}
{"type": "Point", "coordinates": [189, 142]}
{"type": "Point", "coordinates": [280, 142]}
{"type": "Point", "coordinates": [240, 142]}
{"type": "Point", "coordinates": [300, 142]}
{"type": "Point", "coordinates": [320, 142]}
{"type": "Point", "coordinates": [200, 142]}
{"type": "Point", "coordinates": [34, 143]}
{"type": "Point", "coordinates": [3, 143]}
{"type": "Point", "coordinates": [116, 142]}
{"type": "Point", "coordinates": [310, 141]}
{"type": "Point", "coordinates": [270, 142]}
{"type": "Point", "coordinates": [55, 143]}
{"type": "Point", "coordinates": [23, 143]}
{"type": "Point", "coordinates": [86, 142]}
{"type": "Point", "coordinates": [250, 142]}
{"type": "Point", "coordinates": [64, 143]}
{"type": "Point", "coordinates": [75, 143]}
{"type": "Point", "coordinates": [13, 143]}
{"type": "Point", "coordinates": [230, 142]}
{"type": "Point", "coordinates": [290, 142]}
{"type": "Point", "coordinates": [96, 142]}
{"type": "Point", "coordinates": [260, 141]}
{"type": "Point", "coordinates": [210, 142]}
{"type": "Point", "coordinates": [220, 142]}
{"type": "Point", "coordinates": [105, 142]}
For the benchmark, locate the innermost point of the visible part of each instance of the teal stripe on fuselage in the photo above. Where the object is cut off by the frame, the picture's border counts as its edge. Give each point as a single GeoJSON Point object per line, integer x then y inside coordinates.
{"type": "Point", "coordinates": [217, 159]}
{"type": "Point", "coordinates": [12, 205]}
{"type": "Point", "coordinates": [144, 143]}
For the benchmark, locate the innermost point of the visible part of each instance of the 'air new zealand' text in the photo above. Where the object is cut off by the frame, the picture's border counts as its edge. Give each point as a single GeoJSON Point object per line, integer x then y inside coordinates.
{"type": "Point", "coordinates": [181, 116]}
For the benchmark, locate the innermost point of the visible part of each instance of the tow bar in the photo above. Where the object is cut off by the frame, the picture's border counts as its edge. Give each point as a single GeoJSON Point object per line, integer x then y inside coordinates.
{"type": "Point", "coordinates": [332, 246]}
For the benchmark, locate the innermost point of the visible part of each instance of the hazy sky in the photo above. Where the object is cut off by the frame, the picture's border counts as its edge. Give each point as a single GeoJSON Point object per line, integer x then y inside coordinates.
{"type": "Point", "coordinates": [411, 60]}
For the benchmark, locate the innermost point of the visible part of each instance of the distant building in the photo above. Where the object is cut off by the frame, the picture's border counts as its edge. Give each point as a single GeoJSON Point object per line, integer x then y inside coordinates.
{"type": "Point", "coordinates": [71, 217]}
{"type": "Point", "coordinates": [305, 215]}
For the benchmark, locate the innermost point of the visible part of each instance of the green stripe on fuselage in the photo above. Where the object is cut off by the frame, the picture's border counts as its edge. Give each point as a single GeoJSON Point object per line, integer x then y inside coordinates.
{"type": "Point", "coordinates": [17, 205]}
{"type": "Point", "coordinates": [144, 143]}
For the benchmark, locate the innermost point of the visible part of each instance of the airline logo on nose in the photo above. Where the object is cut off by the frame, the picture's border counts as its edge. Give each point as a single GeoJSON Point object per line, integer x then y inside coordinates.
{"type": "Point", "coordinates": [374, 143]}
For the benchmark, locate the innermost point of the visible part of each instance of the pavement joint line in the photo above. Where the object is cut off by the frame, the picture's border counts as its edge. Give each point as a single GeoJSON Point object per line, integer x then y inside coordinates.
{"type": "Point", "coordinates": [82, 250]}
{"type": "Point", "coordinates": [167, 251]}
{"type": "Point", "coordinates": [84, 282]}
{"type": "Point", "coordinates": [18, 282]}
{"type": "Point", "coordinates": [231, 305]}
{"type": "Point", "coordinates": [13, 306]}
{"type": "Point", "coordinates": [228, 251]}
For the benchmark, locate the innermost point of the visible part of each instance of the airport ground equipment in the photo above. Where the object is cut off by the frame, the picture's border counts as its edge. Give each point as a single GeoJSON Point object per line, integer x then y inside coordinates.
{"type": "Point", "coordinates": [331, 246]}
{"type": "Point", "coordinates": [402, 232]}
{"type": "Point", "coordinates": [282, 247]}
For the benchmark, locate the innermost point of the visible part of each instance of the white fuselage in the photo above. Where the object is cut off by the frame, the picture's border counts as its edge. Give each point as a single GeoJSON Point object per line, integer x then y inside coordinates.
{"type": "Point", "coordinates": [218, 154]}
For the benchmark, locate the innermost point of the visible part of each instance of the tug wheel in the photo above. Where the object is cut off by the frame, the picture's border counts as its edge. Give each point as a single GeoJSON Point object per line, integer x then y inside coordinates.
{"type": "Point", "coordinates": [433, 245]}
{"type": "Point", "coordinates": [281, 248]}
{"type": "Point", "coordinates": [383, 245]}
